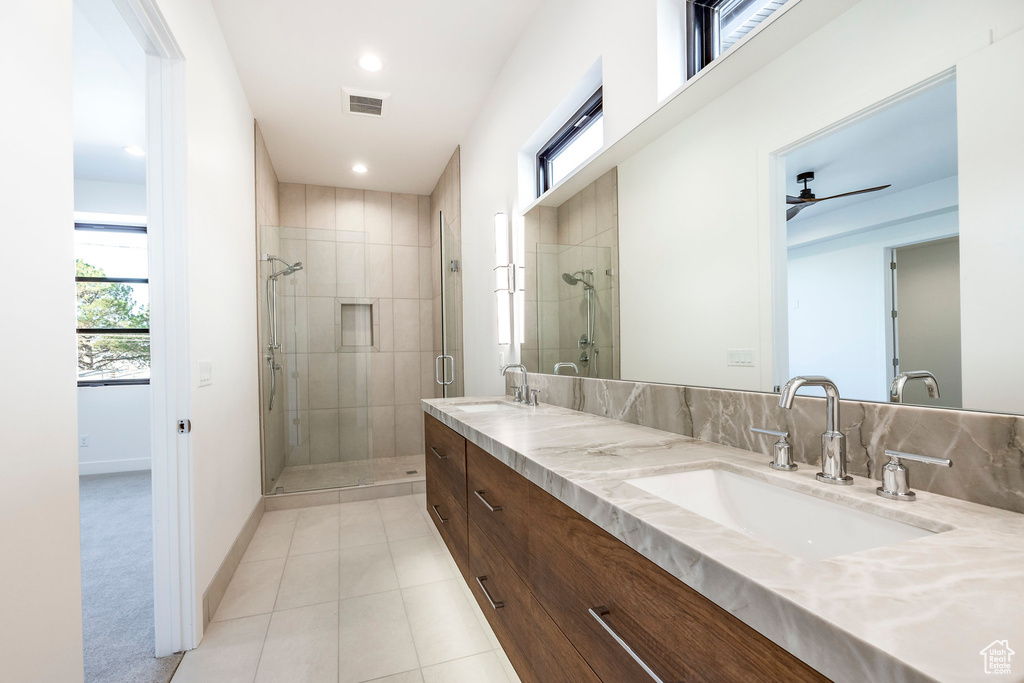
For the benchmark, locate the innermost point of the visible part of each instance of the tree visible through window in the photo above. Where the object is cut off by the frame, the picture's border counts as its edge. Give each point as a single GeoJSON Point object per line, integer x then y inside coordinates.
{"type": "Point", "coordinates": [113, 305]}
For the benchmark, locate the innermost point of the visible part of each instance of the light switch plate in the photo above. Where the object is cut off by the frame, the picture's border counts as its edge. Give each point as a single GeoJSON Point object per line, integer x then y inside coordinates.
{"type": "Point", "coordinates": [205, 373]}
{"type": "Point", "coordinates": [740, 358]}
{"type": "Point", "coordinates": [83, 441]}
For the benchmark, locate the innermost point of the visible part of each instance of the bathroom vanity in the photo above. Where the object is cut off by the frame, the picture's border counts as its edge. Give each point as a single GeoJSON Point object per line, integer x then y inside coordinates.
{"type": "Point", "coordinates": [594, 549]}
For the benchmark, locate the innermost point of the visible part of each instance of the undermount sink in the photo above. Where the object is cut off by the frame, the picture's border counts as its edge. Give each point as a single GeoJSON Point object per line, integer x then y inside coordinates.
{"type": "Point", "coordinates": [486, 407]}
{"type": "Point", "coordinates": [796, 523]}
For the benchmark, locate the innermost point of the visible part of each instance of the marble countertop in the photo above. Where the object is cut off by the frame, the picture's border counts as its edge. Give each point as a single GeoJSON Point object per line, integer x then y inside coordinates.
{"type": "Point", "coordinates": [921, 610]}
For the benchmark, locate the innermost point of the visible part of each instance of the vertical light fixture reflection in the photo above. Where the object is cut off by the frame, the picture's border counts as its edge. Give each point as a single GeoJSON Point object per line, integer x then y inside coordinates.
{"type": "Point", "coordinates": [518, 267]}
{"type": "Point", "coordinates": [503, 277]}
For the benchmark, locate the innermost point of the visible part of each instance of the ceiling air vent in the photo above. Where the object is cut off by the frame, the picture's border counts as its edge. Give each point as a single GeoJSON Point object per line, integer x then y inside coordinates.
{"type": "Point", "coordinates": [365, 103]}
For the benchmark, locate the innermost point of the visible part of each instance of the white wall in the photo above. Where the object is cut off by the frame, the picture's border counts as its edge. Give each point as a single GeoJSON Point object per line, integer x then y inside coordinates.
{"type": "Point", "coordinates": [563, 40]}
{"type": "Point", "coordinates": [100, 196]}
{"type": "Point", "coordinates": [116, 420]}
{"type": "Point", "coordinates": [40, 585]}
{"type": "Point", "coordinates": [222, 277]}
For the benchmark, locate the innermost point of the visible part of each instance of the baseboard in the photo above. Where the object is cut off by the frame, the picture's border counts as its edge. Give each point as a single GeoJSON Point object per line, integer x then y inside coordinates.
{"type": "Point", "coordinates": [111, 466]}
{"type": "Point", "coordinates": [219, 584]}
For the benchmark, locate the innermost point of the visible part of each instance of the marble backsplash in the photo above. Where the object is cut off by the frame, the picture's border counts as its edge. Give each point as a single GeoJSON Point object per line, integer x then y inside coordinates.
{"type": "Point", "coordinates": [987, 449]}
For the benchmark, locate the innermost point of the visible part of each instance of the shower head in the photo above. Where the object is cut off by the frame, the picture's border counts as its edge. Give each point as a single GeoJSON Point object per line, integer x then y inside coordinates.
{"type": "Point", "coordinates": [288, 269]}
{"type": "Point", "coordinates": [572, 280]}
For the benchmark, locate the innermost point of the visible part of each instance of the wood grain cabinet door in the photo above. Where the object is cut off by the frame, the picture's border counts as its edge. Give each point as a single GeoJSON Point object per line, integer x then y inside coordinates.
{"type": "Point", "coordinates": [450, 519]}
{"type": "Point", "coordinates": [539, 652]}
{"type": "Point", "coordinates": [499, 500]}
{"type": "Point", "coordinates": [446, 454]}
{"type": "Point", "coordinates": [631, 620]}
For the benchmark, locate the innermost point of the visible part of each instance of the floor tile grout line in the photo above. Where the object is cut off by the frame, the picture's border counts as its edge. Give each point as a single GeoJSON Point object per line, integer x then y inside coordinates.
{"type": "Point", "coordinates": [263, 645]}
{"type": "Point", "coordinates": [405, 608]}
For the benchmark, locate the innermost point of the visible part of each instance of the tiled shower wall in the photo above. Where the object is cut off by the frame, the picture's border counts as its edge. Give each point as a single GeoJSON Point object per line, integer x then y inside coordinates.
{"type": "Point", "coordinates": [364, 245]}
{"type": "Point", "coordinates": [580, 234]}
{"type": "Point", "coordinates": [987, 449]}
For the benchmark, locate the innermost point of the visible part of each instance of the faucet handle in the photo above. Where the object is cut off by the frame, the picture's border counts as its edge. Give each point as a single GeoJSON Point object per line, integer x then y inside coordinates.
{"type": "Point", "coordinates": [533, 397]}
{"type": "Point", "coordinates": [896, 478]}
{"type": "Point", "coordinates": [783, 452]}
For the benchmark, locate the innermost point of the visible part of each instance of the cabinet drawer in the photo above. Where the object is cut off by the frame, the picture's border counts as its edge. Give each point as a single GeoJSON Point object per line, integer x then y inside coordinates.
{"type": "Point", "coordinates": [543, 652]}
{"type": "Point", "coordinates": [499, 500]}
{"type": "Point", "coordinates": [580, 573]}
{"type": "Point", "coordinates": [446, 453]}
{"type": "Point", "coordinates": [450, 520]}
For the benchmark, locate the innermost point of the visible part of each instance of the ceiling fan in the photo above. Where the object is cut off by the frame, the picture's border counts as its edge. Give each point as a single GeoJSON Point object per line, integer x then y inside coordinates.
{"type": "Point", "coordinates": [806, 197]}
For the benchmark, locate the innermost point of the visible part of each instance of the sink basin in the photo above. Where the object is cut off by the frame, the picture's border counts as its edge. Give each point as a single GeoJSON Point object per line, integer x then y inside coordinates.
{"type": "Point", "coordinates": [486, 407]}
{"type": "Point", "coordinates": [798, 524]}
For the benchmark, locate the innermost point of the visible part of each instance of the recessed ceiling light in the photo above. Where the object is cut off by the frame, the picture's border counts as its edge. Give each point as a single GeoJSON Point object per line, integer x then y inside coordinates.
{"type": "Point", "coordinates": [371, 63]}
{"type": "Point", "coordinates": [359, 168]}
{"type": "Point", "coordinates": [135, 150]}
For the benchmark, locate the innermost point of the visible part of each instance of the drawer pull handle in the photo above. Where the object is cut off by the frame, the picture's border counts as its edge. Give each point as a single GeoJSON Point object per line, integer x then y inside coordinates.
{"type": "Point", "coordinates": [439, 517]}
{"type": "Point", "coordinates": [492, 508]}
{"type": "Point", "coordinates": [496, 604]}
{"type": "Point", "coordinates": [602, 612]}
{"type": "Point", "coordinates": [440, 456]}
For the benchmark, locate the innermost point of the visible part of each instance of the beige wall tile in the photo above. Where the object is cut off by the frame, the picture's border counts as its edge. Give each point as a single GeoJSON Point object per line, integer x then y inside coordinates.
{"type": "Point", "coordinates": [405, 219]}
{"type": "Point", "coordinates": [428, 382]}
{"type": "Point", "coordinates": [548, 225]}
{"type": "Point", "coordinates": [382, 379]}
{"type": "Point", "coordinates": [323, 436]}
{"type": "Point", "coordinates": [292, 198]}
{"type": "Point", "coordinates": [407, 378]}
{"type": "Point", "coordinates": [320, 207]}
{"type": "Point", "coordinates": [409, 430]}
{"type": "Point", "coordinates": [406, 265]}
{"type": "Point", "coordinates": [349, 210]}
{"type": "Point", "coordinates": [292, 250]}
{"type": "Point", "coordinates": [588, 211]}
{"type": "Point", "coordinates": [426, 325]}
{"type": "Point", "coordinates": [426, 272]}
{"type": "Point", "coordinates": [351, 269]}
{"type": "Point", "coordinates": [424, 220]}
{"type": "Point", "coordinates": [354, 434]}
{"type": "Point", "coordinates": [383, 430]}
{"type": "Point", "coordinates": [323, 380]}
{"type": "Point", "coordinates": [385, 310]}
{"type": "Point", "coordinates": [377, 208]}
{"type": "Point", "coordinates": [321, 268]}
{"type": "Point", "coordinates": [379, 271]}
{"type": "Point", "coordinates": [407, 324]}
{"type": "Point", "coordinates": [353, 380]}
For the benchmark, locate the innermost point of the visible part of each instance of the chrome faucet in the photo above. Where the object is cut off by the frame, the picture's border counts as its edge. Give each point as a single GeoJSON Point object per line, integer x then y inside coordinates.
{"type": "Point", "coordinates": [523, 394]}
{"type": "Point", "coordinates": [900, 381]}
{"type": "Point", "coordinates": [833, 443]}
{"type": "Point", "coordinates": [559, 366]}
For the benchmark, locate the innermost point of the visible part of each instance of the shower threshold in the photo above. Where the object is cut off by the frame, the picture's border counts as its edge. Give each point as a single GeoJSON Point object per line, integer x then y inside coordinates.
{"type": "Point", "coordinates": [334, 475]}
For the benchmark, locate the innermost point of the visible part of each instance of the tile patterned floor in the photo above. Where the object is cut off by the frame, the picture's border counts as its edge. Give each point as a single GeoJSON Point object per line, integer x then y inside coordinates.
{"type": "Point", "coordinates": [348, 593]}
{"type": "Point", "coordinates": [330, 475]}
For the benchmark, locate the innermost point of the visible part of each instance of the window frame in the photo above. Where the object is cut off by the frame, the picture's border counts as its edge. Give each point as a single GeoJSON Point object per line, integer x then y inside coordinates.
{"type": "Point", "coordinates": [587, 115]}
{"type": "Point", "coordinates": [112, 280]}
{"type": "Point", "coordinates": [703, 32]}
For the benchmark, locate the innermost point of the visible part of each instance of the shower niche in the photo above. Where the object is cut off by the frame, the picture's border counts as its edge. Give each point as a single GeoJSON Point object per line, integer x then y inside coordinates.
{"type": "Point", "coordinates": [357, 325]}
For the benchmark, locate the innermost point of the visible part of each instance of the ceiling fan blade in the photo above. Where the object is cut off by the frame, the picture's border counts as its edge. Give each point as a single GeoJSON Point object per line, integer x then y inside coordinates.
{"type": "Point", "coordinates": [790, 199]}
{"type": "Point", "coordinates": [792, 211]}
{"type": "Point", "coordinates": [847, 194]}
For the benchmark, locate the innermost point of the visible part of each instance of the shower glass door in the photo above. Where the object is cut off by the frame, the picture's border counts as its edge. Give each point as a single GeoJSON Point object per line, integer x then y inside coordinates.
{"type": "Point", "coordinates": [449, 369]}
{"type": "Point", "coordinates": [317, 433]}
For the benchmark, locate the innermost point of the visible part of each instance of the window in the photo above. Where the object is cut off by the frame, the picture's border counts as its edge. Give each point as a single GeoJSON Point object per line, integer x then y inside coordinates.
{"type": "Point", "coordinates": [112, 283]}
{"type": "Point", "coordinates": [575, 142]}
{"type": "Point", "coordinates": [713, 26]}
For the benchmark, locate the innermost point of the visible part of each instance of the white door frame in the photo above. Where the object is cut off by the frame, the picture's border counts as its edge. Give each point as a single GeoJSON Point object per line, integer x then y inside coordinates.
{"type": "Point", "coordinates": [170, 384]}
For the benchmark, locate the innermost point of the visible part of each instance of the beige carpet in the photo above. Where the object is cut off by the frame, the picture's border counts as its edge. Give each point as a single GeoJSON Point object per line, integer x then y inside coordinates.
{"type": "Point", "coordinates": [117, 580]}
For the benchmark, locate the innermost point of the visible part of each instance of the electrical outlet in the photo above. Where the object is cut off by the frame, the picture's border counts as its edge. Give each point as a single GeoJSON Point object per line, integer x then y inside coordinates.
{"type": "Point", "coordinates": [740, 358]}
{"type": "Point", "coordinates": [83, 441]}
{"type": "Point", "coordinates": [501, 360]}
{"type": "Point", "coordinates": [205, 373]}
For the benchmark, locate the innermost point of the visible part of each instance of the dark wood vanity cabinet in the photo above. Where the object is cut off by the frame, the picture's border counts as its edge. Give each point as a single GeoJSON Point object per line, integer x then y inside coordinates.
{"type": "Point", "coordinates": [570, 602]}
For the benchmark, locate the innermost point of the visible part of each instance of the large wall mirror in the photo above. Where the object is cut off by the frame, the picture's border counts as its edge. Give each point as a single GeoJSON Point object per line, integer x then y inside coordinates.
{"type": "Point", "coordinates": [739, 249]}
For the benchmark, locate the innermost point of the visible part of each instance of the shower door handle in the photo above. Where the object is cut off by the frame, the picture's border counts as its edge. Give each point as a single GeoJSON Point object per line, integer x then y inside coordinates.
{"type": "Point", "coordinates": [437, 371]}
{"type": "Point", "coordinates": [444, 365]}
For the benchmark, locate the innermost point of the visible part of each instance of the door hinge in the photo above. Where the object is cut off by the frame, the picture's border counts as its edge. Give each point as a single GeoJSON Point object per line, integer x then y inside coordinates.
{"type": "Point", "coordinates": [895, 362]}
{"type": "Point", "coordinates": [894, 314]}
{"type": "Point", "coordinates": [892, 265]}
{"type": "Point", "coordinates": [184, 426]}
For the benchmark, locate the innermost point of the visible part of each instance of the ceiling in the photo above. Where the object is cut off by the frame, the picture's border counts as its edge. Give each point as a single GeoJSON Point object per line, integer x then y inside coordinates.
{"type": "Point", "coordinates": [440, 60]}
{"type": "Point", "coordinates": [109, 95]}
{"type": "Point", "coordinates": [911, 143]}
